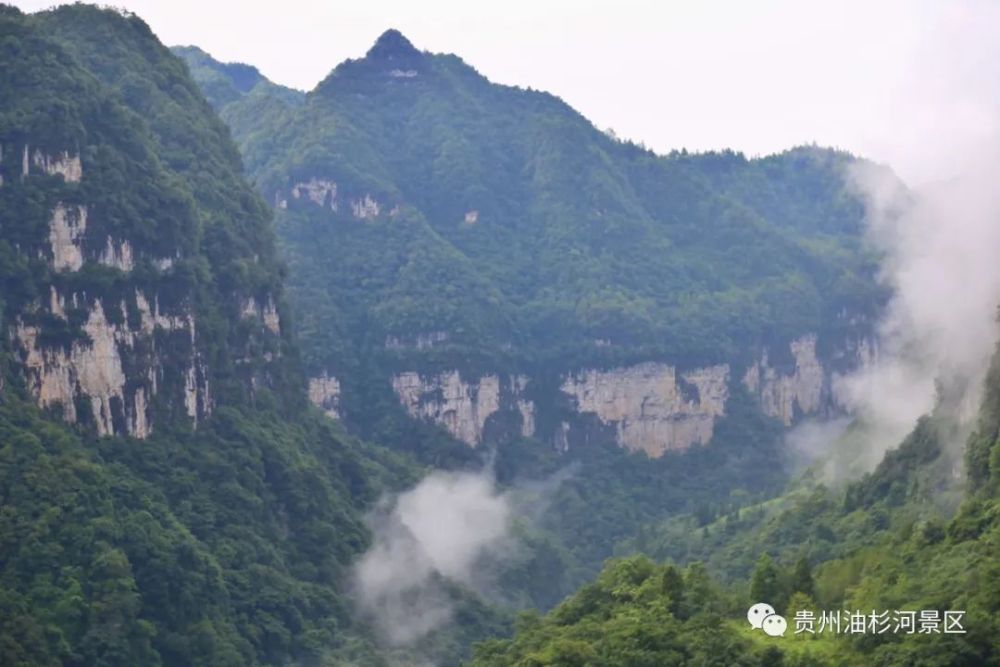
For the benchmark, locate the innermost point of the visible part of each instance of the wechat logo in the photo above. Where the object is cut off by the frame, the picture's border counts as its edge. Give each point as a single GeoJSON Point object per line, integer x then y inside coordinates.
{"type": "Point", "coordinates": [762, 617]}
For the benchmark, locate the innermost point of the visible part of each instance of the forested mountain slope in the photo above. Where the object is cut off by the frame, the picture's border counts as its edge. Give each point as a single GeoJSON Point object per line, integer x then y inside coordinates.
{"type": "Point", "coordinates": [168, 495]}
{"type": "Point", "coordinates": [478, 268]}
{"type": "Point", "coordinates": [888, 542]}
{"type": "Point", "coordinates": [482, 276]}
{"type": "Point", "coordinates": [483, 258]}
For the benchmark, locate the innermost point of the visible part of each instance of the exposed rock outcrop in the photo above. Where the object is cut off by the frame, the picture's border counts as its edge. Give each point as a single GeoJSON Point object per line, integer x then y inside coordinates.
{"type": "Point", "coordinates": [801, 392]}
{"type": "Point", "coordinates": [117, 255]}
{"type": "Point", "coordinates": [93, 367]}
{"type": "Point", "coordinates": [324, 393]}
{"type": "Point", "coordinates": [365, 208]}
{"type": "Point", "coordinates": [266, 313]}
{"type": "Point", "coordinates": [150, 317]}
{"type": "Point", "coordinates": [64, 164]}
{"type": "Point", "coordinates": [319, 191]}
{"type": "Point", "coordinates": [649, 407]}
{"type": "Point", "coordinates": [272, 321]}
{"type": "Point", "coordinates": [66, 229]}
{"type": "Point", "coordinates": [459, 406]}
{"type": "Point", "coordinates": [164, 263]}
{"type": "Point", "coordinates": [527, 408]}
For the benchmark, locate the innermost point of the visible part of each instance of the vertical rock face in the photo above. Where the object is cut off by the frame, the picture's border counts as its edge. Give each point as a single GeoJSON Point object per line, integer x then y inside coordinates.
{"type": "Point", "coordinates": [317, 190]}
{"type": "Point", "coordinates": [98, 368]}
{"type": "Point", "coordinates": [527, 408]}
{"type": "Point", "coordinates": [105, 334]}
{"type": "Point", "coordinates": [68, 243]}
{"type": "Point", "coordinates": [649, 408]}
{"type": "Point", "coordinates": [324, 193]}
{"type": "Point", "coordinates": [801, 392]}
{"type": "Point", "coordinates": [461, 407]}
{"type": "Point", "coordinates": [365, 208]}
{"type": "Point", "coordinates": [63, 163]}
{"type": "Point", "coordinates": [66, 230]}
{"type": "Point", "coordinates": [93, 367]}
{"type": "Point", "coordinates": [104, 365]}
{"type": "Point", "coordinates": [117, 255]}
{"type": "Point", "coordinates": [66, 165]}
{"type": "Point", "coordinates": [272, 322]}
{"type": "Point", "coordinates": [324, 393]}
{"type": "Point", "coordinates": [267, 313]}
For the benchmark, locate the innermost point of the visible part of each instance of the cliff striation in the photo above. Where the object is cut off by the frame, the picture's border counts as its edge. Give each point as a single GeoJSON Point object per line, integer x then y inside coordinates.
{"type": "Point", "coordinates": [651, 407]}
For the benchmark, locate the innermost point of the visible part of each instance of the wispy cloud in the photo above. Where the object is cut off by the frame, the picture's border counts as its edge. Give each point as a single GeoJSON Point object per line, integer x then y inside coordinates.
{"type": "Point", "coordinates": [440, 530]}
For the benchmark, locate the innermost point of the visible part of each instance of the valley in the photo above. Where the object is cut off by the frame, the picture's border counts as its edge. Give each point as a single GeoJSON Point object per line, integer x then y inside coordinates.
{"type": "Point", "coordinates": [417, 368]}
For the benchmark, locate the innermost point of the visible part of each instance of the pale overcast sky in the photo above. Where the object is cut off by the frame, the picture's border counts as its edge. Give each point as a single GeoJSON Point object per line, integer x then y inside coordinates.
{"type": "Point", "coordinates": [912, 83]}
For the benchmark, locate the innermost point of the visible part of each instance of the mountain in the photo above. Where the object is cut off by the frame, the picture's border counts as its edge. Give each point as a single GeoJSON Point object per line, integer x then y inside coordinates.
{"type": "Point", "coordinates": [481, 277]}
{"type": "Point", "coordinates": [169, 495]}
{"type": "Point", "coordinates": [876, 545]}
{"type": "Point", "coordinates": [446, 234]}
{"type": "Point", "coordinates": [224, 84]}
{"type": "Point", "coordinates": [479, 270]}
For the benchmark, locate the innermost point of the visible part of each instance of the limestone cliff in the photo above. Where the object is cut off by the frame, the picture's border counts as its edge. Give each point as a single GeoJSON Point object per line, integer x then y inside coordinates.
{"type": "Point", "coordinates": [102, 350]}
{"type": "Point", "coordinates": [324, 193]}
{"type": "Point", "coordinates": [267, 313]}
{"type": "Point", "coordinates": [649, 406]}
{"type": "Point", "coordinates": [324, 393]}
{"type": "Point", "coordinates": [554, 264]}
{"type": "Point", "coordinates": [460, 405]}
{"type": "Point", "coordinates": [808, 387]}
{"type": "Point", "coordinates": [92, 368]}
{"type": "Point", "coordinates": [783, 396]}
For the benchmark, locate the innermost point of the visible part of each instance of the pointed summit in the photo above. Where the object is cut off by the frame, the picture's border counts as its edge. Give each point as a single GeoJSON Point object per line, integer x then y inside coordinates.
{"type": "Point", "coordinates": [392, 45]}
{"type": "Point", "coordinates": [392, 57]}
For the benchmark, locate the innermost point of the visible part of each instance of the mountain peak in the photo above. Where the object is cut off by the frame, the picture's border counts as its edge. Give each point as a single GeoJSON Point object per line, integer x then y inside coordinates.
{"type": "Point", "coordinates": [392, 45]}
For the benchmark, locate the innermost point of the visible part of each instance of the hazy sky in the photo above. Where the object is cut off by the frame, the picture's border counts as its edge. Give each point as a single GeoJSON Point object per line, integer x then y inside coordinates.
{"type": "Point", "coordinates": [912, 83]}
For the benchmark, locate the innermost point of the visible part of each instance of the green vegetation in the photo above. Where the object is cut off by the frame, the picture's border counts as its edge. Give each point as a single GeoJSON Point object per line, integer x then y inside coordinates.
{"type": "Point", "coordinates": [609, 495]}
{"type": "Point", "coordinates": [636, 614]}
{"type": "Point", "coordinates": [533, 243]}
{"type": "Point", "coordinates": [223, 546]}
{"type": "Point", "coordinates": [160, 171]}
{"type": "Point", "coordinates": [881, 543]}
{"type": "Point", "coordinates": [508, 222]}
{"type": "Point", "coordinates": [816, 522]}
{"type": "Point", "coordinates": [531, 240]}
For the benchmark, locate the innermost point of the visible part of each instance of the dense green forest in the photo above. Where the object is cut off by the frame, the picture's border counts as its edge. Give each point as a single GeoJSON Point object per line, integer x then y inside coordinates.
{"type": "Point", "coordinates": [510, 224]}
{"type": "Point", "coordinates": [221, 546]}
{"type": "Point", "coordinates": [225, 527]}
{"type": "Point", "coordinates": [530, 242]}
{"type": "Point", "coordinates": [441, 142]}
{"type": "Point", "coordinates": [884, 542]}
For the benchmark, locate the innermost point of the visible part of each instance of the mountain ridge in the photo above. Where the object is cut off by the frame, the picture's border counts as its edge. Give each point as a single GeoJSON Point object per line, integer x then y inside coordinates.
{"type": "Point", "coordinates": [502, 233]}
{"type": "Point", "coordinates": [169, 495]}
{"type": "Point", "coordinates": [482, 279]}
{"type": "Point", "coordinates": [482, 273]}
